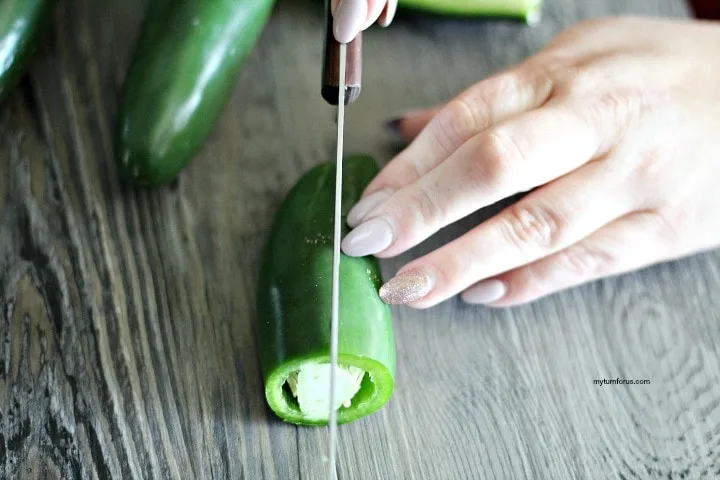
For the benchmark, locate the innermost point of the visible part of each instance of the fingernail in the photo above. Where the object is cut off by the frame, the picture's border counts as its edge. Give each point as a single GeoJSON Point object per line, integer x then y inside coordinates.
{"type": "Point", "coordinates": [368, 238]}
{"type": "Point", "coordinates": [393, 127]}
{"type": "Point", "coordinates": [388, 13]}
{"type": "Point", "coordinates": [407, 287]}
{"type": "Point", "coordinates": [365, 206]}
{"type": "Point", "coordinates": [349, 19]}
{"type": "Point", "coordinates": [487, 291]}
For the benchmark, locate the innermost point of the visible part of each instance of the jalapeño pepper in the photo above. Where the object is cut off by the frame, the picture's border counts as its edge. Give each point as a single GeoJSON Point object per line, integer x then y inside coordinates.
{"type": "Point", "coordinates": [185, 66]}
{"type": "Point", "coordinates": [294, 307]}
{"type": "Point", "coordinates": [21, 27]}
{"type": "Point", "coordinates": [525, 10]}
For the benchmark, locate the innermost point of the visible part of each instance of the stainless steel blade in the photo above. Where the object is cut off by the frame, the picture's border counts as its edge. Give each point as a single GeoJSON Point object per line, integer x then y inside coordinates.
{"type": "Point", "coordinates": [334, 323]}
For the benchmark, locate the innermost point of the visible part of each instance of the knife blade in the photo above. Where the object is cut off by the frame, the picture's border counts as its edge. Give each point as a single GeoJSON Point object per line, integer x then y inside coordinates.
{"type": "Point", "coordinates": [334, 323]}
{"type": "Point", "coordinates": [341, 84]}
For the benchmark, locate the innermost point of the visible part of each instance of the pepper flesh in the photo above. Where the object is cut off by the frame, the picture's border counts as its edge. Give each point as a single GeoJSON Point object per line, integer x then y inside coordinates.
{"type": "Point", "coordinates": [527, 10]}
{"type": "Point", "coordinates": [185, 66]}
{"type": "Point", "coordinates": [308, 387]}
{"type": "Point", "coordinates": [294, 302]}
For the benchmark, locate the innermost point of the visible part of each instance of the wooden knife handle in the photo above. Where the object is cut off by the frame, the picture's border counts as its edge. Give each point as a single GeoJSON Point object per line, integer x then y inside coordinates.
{"type": "Point", "coordinates": [331, 65]}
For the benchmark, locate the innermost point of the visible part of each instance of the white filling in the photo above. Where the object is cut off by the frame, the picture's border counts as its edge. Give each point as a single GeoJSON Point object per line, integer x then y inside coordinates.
{"type": "Point", "coordinates": [311, 387]}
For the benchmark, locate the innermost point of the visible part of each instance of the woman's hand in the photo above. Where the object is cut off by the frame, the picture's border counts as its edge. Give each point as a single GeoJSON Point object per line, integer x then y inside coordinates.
{"type": "Point", "coordinates": [350, 17]}
{"type": "Point", "coordinates": [615, 126]}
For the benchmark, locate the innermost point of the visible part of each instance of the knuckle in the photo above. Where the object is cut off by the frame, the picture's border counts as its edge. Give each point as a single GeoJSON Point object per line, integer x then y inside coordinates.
{"type": "Point", "coordinates": [650, 168]}
{"type": "Point", "coordinates": [412, 171]}
{"type": "Point", "coordinates": [494, 98]}
{"type": "Point", "coordinates": [627, 109]}
{"type": "Point", "coordinates": [669, 231]}
{"type": "Point", "coordinates": [578, 81]}
{"type": "Point", "coordinates": [585, 261]}
{"type": "Point", "coordinates": [449, 271]}
{"type": "Point", "coordinates": [498, 88]}
{"type": "Point", "coordinates": [485, 98]}
{"type": "Point", "coordinates": [426, 204]}
{"type": "Point", "coordinates": [626, 106]}
{"type": "Point", "coordinates": [534, 225]}
{"type": "Point", "coordinates": [456, 123]}
{"type": "Point", "coordinates": [501, 154]}
{"type": "Point", "coordinates": [616, 113]}
{"type": "Point", "coordinates": [620, 104]}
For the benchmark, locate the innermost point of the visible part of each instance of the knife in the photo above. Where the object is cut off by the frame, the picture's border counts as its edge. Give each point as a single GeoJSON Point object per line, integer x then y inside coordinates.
{"type": "Point", "coordinates": [340, 87]}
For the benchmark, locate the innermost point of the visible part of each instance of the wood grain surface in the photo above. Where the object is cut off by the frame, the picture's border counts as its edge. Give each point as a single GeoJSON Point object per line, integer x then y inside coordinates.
{"type": "Point", "coordinates": [127, 345]}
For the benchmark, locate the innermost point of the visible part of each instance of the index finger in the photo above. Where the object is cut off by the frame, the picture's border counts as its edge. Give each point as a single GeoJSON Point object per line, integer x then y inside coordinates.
{"type": "Point", "coordinates": [350, 17]}
{"type": "Point", "coordinates": [496, 99]}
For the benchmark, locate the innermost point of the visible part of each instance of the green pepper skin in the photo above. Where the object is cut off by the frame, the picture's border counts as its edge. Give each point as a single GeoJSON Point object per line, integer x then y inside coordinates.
{"type": "Point", "coordinates": [22, 24]}
{"type": "Point", "coordinates": [295, 289]}
{"type": "Point", "coordinates": [185, 66]}
{"type": "Point", "coordinates": [526, 10]}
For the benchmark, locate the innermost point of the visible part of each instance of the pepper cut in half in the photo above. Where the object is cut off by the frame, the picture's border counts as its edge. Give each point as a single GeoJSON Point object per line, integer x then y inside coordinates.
{"type": "Point", "coordinates": [185, 66]}
{"type": "Point", "coordinates": [526, 10]}
{"type": "Point", "coordinates": [294, 307]}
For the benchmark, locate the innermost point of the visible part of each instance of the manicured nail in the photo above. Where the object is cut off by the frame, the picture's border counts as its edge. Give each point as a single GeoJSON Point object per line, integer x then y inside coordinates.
{"type": "Point", "coordinates": [393, 127]}
{"type": "Point", "coordinates": [487, 291]}
{"type": "Point", "coordinates": [368, 238]}
{"type": "Point", "coordinates": [388, 13]}
{"type": "Point", "coordinates": [407, 287]}
{"type": "Point", "coordinates": [365, 206]}
{"type": "Point", "coordinates": [349, 19]}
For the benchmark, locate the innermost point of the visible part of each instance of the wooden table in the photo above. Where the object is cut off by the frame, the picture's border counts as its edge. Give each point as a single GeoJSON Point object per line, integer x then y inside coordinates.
{"type": "Point", "coordinates": [127, 340]}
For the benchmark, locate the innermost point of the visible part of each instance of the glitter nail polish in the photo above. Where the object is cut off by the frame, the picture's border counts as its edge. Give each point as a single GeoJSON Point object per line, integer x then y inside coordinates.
{"type": "Point", "coordinates": [407, 287]}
